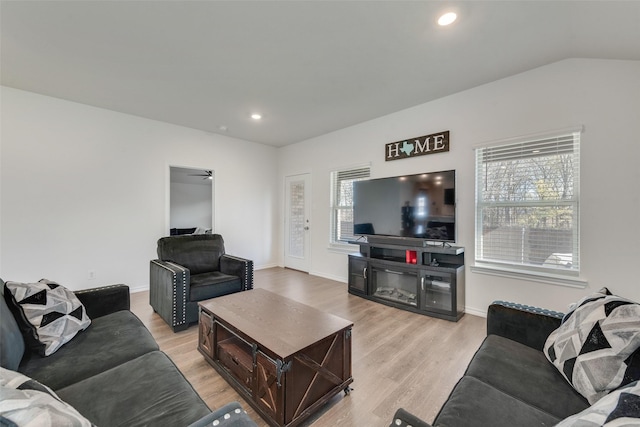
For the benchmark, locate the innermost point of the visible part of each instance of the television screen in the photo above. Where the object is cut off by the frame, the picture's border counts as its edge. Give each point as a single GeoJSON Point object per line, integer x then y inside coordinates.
{"type": "Point", "coordinates": [418, 206]}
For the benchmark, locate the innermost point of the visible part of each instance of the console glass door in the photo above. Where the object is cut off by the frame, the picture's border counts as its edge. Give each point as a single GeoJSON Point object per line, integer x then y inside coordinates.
{"type": "Point", "coordinates": [437, 288]}
{"type": "Point", "coordinates": [358, 275]}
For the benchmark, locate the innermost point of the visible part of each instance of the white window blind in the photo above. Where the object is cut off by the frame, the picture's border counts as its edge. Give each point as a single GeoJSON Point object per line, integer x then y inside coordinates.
{"type": "Point", "coordinates": [527, 204]}
{"type": "Point", "coordinates": [342, 202]}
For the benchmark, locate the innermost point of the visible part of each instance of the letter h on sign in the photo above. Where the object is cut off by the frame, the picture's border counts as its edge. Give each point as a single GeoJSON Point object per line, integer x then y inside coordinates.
{"type": "Point", "coordinates": [393, 150]}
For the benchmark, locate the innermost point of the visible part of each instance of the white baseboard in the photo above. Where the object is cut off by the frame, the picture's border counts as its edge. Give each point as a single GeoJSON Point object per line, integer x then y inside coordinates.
{"type": "Point", "coordinates": [475, 312]}
{"type": "Point", "coordinates": [265, 266]}
{"type": "Point", "coordinates": [328, 276]}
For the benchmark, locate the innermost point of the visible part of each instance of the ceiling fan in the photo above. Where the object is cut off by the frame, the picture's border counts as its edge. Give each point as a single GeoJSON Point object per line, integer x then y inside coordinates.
{"type": "Point", "coordinates": [205, 175]}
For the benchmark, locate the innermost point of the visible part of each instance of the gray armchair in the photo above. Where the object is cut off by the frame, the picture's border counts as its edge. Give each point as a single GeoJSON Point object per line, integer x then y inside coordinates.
{"type": "Point", "coordinates": [193, 268]}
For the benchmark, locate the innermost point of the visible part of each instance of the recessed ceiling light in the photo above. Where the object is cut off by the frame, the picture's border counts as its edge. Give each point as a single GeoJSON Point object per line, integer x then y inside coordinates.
{"type": "Point", "coordinates": [447, 19]}
{"type": "Point", "coordinates": [256, 116]}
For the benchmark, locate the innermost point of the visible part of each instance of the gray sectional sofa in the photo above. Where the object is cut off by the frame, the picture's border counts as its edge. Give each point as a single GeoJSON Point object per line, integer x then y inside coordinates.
{"type": "Point", "coordinates": [510, 381]}
{"type": "Point", "coordinates": [112, 372]}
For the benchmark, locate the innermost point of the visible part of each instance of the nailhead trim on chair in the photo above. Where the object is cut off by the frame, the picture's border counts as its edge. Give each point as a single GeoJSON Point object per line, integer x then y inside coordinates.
{"type": "Point", "coordinates": [178, 268]}
{"type": "Point", "coordinates": [228, 415]}
{"type": "Point", "coordinates": [184, 295]}
{"type": "Point", "coordinates": [248, 274]}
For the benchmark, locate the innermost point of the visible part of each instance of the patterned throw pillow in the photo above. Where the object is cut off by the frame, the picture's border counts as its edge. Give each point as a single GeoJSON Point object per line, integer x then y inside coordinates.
{"type": "Point", "coordinates": [619, 408]}
{"type": "Point", "coordinates": [596, 346]}
{"type": "Point", "coordinates": [49, 314]}
{"type": "Point", "coordinates": [27, 403]}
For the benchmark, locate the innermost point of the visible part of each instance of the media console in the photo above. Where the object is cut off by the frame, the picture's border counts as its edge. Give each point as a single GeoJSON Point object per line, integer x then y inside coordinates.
{"type": "Point", "coordinates": [424, 279]}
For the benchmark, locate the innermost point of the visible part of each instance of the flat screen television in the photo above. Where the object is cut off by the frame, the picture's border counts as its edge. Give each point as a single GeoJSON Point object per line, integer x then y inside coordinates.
{"type": "Point", "coordinates": [420, 206]}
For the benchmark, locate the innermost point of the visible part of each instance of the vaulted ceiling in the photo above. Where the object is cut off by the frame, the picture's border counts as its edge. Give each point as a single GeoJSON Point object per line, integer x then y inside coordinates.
{"type": "Point", "coordinates": [308, 67]}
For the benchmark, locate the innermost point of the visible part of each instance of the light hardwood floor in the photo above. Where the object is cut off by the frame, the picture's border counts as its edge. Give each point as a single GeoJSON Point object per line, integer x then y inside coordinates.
{"type": "Point", "coordinates": [400, 359]}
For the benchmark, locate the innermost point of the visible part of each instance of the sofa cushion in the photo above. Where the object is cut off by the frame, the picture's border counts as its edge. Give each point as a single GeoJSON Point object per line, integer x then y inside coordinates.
{"type": "Point", "coordinates": [210, 285]}
{"type": "Point", "coordinates": [26, 402]}
{"type": "Point", "coordinates": [12, 347]}
{"type": "Point", "coordinates": [594, 346]}
{"type": "Point", "coordinates": [48, 314]}
{"type": "Point", "coordinates": [156, 393]}
{"type": "Point", "coordinates": [110, 341]}
{"type": "Point", "coordinates": [621, 407]}
{"type": "Point", "coordinates": [475, 403]}
{"type": "Point", "coordinates": [524, 373]}
{"type": "Point", "coordinates": [199, 253]}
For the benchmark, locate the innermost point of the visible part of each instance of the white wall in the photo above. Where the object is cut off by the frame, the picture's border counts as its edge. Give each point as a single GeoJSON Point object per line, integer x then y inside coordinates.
{"type": "Point", "coordinates": [85, 189]}
{"type": "Point", "coordinates": [604, 96]}
{"type": "Point", "coordinates": [190, 206]}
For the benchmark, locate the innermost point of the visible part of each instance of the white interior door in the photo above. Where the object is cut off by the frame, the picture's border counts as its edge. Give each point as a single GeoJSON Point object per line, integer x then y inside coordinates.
{"type": "Point", "coordinates": [297, 222]}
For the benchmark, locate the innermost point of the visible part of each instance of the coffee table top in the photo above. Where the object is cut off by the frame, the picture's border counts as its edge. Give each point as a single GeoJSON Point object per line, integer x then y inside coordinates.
{"type": "Point", "coordinates": [274, 322]}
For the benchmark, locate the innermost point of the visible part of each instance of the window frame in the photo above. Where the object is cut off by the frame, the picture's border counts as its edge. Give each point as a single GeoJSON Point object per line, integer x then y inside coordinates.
{"type": "Point", "coordinates": [334, 205]}
{"type": "Point", "coordinates": [529, 271]}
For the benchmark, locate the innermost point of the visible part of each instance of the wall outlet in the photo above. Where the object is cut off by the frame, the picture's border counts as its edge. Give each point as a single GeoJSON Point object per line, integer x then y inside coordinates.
{"type": "Point", "coordinates": [91, 275]}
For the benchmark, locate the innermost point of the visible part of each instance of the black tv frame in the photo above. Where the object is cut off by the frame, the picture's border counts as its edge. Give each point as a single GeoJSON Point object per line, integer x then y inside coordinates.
{"type": "Point", "coordinates": [449, 196]}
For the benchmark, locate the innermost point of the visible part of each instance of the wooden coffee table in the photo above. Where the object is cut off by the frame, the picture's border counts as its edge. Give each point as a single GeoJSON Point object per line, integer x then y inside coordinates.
{"type": "Point", "coordinates": [285, 358]}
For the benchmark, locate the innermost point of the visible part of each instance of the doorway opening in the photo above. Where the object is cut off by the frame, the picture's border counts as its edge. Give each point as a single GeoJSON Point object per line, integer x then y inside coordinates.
{"type": "Point", "coordinates": [191, 200]}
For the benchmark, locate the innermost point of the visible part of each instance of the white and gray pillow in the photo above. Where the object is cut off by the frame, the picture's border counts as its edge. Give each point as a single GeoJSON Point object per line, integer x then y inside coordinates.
{"type": "Point", "coordinates": [28, 403]}
{"type": "Point", "coordinates": [621, 407]}
{"type": "Point", "coordinates": [596, 346]}
{"type": "Point", "coordinates": [49, 314]}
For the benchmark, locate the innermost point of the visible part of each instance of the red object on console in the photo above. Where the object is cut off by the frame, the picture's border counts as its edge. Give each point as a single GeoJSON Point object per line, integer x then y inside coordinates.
{"type": "Point", "coordinates": [411, 257]}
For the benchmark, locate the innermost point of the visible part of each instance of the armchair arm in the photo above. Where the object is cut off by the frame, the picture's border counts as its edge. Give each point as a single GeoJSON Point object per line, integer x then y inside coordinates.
{"type": "Point", "coordinates": [169, 292]}
{"type": "Point", "coordinates": [230, 415]}
{"type": "Point", "coordinates": [240, 267]}
{"type": "Point", "coordinates": [403, 418]}
{"type": "Point", "coordinates": [525, 324]}
{"type": "Point", "coordinates": [104, 300]}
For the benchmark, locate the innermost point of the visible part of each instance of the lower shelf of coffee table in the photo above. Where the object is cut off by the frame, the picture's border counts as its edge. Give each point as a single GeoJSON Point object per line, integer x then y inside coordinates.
{"type": "Point", "coordinates": [233, 355]}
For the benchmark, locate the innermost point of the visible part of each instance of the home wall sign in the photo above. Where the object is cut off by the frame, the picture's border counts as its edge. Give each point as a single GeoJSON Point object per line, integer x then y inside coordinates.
{"type": "Point", "coordinates": [418, 146]}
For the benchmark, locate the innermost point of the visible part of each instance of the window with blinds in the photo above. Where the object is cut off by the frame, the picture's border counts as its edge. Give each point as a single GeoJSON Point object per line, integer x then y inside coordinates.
{"type": "Point", "coordinates": [342, 202]}
{"type": "Point", "coordinates": [527, 204]}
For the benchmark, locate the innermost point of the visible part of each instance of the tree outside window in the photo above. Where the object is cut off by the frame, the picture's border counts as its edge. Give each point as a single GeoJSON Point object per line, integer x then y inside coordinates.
{"type": "Point", "coordinates": [527, 202]}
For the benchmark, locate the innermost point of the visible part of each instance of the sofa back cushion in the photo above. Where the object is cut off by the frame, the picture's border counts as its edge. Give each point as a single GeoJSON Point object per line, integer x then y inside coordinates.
{"type": "Point", "coordinates": [200, 253]}
{"type": "Point", "coordinates": [11, 340]}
